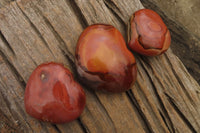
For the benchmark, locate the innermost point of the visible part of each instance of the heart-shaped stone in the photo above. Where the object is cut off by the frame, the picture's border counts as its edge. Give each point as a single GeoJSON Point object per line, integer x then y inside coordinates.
{"type": "Point", "coordinates": [52, 94]}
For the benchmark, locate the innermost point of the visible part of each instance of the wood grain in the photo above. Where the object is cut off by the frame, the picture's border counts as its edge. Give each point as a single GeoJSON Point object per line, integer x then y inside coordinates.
{"type": "Point", "coordinates": [182, 19]}
{"type": "Point", "coordinates": [165, 97]}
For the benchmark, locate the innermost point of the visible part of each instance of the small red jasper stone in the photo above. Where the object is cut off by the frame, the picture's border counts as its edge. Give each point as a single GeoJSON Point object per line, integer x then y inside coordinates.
{"type": "Point", "coordinates": [52, 95]}
{"type": "Point", "coordinates": [148, 35]}
{"type": "Point", "coordinates": [103, 60]}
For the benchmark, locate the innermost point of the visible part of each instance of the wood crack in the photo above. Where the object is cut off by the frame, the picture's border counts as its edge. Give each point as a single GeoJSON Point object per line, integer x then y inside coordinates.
{"type": "Point", "coordinates": [55, 26]}
{"type": "Point", "coordinates": [17, 75]}
{"type": "Point", "coordinates": [84, 128]}
{"type": "Point", "coordinates": [56, 128]}
{"type": "Point", "coordinates": [169, 124]}
{"type": "Point", "coordinates": [6, 59]}
{"type": "Point", "coordinates": [107, 114]}
{"type": "Point", "coordinates": [110, 5]}
{"type": "Point", "coordinates": [36, 30]}
{"type": "Point", "coordinates": [184, 91]}
{"type": "Point", "coordinates": [182, 39]}
{"type": "Point", "coordinates": [57, 36]}
{"type": "Point", "coordinates": [182, 116]}
{"type": "Point", "coordinates": [180, 82]}
{"type": "Point", "coordinates": [77, 11]}
{"type": "Point", "coordinates": [134, 102]}
{"type": "Point", "coordinates": [6, 43]}
{"type": "Point", "coordinates": [163, 117]}
{"type": "Point", "coordinates": [161, 104]}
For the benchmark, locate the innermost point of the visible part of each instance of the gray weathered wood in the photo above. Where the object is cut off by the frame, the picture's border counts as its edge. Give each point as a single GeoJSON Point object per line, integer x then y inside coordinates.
{"type": "Point", "coordinates": [182, 18]}
{"type": "Point", "coordinates": [165, 97]}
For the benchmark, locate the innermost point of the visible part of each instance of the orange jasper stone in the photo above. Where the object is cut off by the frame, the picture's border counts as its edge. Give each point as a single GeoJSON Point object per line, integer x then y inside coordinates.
{"type": "Point", "coordinates": [103, 60]}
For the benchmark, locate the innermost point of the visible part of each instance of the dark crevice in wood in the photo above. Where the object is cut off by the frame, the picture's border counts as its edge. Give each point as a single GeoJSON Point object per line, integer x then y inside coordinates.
{"type": "Point", "coordinates": [169, 125]}
{"type": "Point", "coordinates": [180, 82]}
{"type": "Point", "coordinates": [159, 99]}
{"type": "Point", "coordinates": [165, 92]}
{"type": "Point", "coordinates": [106, 112]}
{"type": "Point", "coordinates": [83, 127]}
{"type": "Point", "coordinates": [110, 5]}
{"type": "Point", "coordinates": [163, 117]}
{"type": "Point", "coordinates": [182, 116]}
{"type": "Point", "coordinates": [77, 11]}
{"type": "Point", "coordinates": [6, 58]}
{"type": "Point", "coordinates": [18, 77]}
{"type": "Point", "coordinates": [36, 30]}
{"type": "Point", "coordinates": [34, 62]}
{"type": "Point", "coordinates": [134, 102]}
{"type": "Point", "coordinates": [91, 7]}
{"type": "Point", "coordinates": [57, 36]}
{"type": "Point", "coordinates": [185, 91]}
{"type": "Point", "coordinates": [6, 43]}
{"type": "Point", "coordinates": [161, 104]}
{"type": "Point", "coordinates": [56, 128]}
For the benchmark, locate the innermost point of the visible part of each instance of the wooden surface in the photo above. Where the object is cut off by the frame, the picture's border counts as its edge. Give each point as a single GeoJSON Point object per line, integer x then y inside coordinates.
{"type": "Point", "coordinates": [165, 97]}
{"type": "Point", "coordinates": [182, 18]}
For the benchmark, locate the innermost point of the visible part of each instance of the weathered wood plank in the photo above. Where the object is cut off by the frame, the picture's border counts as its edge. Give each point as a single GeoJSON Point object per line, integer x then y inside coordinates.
{"type": "Point", "coordinates": [183, 12]}
{"type": "Point", "coordinates": [186, 99]}
{"type": "Point", "coordinates": [182, 19]}
{"type": "Point", "coordinates": [168, 95]}
{"type": "Point", "coordinates": [126, 115]}
{"type": "Point", "coordinates": [118, 98]}
{"type": "Point", "coordinates": [165, 97]}
{"type": "Point", "coordinates": [27, 49]}
{"type": "Point", "coordinates": [12, 107]}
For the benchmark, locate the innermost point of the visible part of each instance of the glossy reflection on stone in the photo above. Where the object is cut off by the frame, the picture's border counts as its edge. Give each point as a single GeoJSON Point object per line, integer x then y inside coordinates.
{"type": "Point", "coordinates": [147, 33]}
{"type": "Point", "coordinates": [52, 95]}
{"type": "Point", "coordinates": [103, 60]}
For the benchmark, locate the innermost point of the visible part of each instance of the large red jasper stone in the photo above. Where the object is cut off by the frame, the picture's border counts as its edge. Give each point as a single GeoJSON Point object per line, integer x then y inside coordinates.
{"type": "Point", "coordinates": [52, 95]}
{"type": "Point", "coordinates": [103, 60]}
